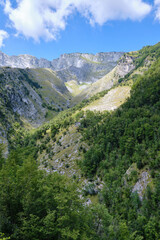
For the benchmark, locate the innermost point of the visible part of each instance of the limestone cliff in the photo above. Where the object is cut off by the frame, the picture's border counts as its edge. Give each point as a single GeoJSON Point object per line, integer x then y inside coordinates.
{"type": "Point", "coordinates": [75, 66]}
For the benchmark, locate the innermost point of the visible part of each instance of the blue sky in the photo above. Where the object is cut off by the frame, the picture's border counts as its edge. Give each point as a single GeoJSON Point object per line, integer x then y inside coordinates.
{"type": "Point", "coordinates": [64, 26]}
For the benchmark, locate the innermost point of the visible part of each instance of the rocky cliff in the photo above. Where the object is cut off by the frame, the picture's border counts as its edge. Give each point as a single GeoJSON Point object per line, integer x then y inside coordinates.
{"type": "Point", "coordinates": [124, 66]}
{"type": "Point", "coordinates": [74, 66]}
{"type": "Point", "coordinates": [33, 95]}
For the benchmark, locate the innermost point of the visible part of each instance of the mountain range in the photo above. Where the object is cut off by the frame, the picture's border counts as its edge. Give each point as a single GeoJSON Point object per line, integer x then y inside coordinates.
{"type": "Point", "coordinates": [75, 66]}
{"type": "Point", "coordinates": [79, 152]}
{"type": "Point", "coordinates": [35, 90]}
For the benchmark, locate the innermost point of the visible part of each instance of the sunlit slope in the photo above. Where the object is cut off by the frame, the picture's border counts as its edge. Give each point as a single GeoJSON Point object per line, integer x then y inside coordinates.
{"type": "Point", "coordinates": [124, 67]}
{"type": "Point", "coordinates": [53, 89]}
{"type": "Point", "coordinates": [29, 97]}
{"type": "Point", "coordinates": [128, 68]}
{"type": "Point", "coordinates": [74, 88]}
{"type": "Point", "coordinates": [111, 101]}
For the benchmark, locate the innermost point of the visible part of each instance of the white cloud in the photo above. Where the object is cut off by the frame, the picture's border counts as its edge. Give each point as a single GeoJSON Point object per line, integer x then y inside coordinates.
{"type": "Point", "coordinates": [157, 5]}
{"type": "Point", "coordinates": [45, 18]}
{"type": "Point", "coordinates": [100, 11]}
{"type": "Point", "coordinates": [3, 35]}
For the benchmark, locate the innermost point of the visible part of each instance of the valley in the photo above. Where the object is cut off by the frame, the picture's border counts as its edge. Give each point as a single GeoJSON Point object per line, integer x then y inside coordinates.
{"type": "Point", "coordinates": [80, 140]}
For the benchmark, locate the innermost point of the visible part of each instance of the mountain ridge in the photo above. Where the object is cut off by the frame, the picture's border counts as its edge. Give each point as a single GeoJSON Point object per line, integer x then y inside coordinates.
{"type": "Point", "coordinates": [111, 158]}
{"type": "Point", "coordinates": [73, 66]}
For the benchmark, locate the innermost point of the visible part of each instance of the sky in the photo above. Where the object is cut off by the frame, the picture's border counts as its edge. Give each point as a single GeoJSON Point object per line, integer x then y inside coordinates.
{"type": "Point", "coordinates": [49, 28]}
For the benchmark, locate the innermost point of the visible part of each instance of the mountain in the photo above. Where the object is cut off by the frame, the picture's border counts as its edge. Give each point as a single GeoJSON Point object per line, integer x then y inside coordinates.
{"type": "Point", "coordinates": [85, 68]}
{"type": "Point", "coordinates": [32, 96]}
{"type": "Point", "coordinates": [30, 92]}
{"type": "Point", "coordinates": [35, 90]}
{"type": "Point", "coordinates": [124, 66]}
{"type": "Point", "coordinates": [88, 173]}
{"type": "Point", "coordinates": [75, 66]}
{"type": "Point", "coordinates": [29, 97]}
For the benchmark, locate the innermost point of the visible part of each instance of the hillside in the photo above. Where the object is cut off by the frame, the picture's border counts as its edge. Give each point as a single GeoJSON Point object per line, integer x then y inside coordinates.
{"type": "Point", "coordinates": [130, 64]}
{"type": "Point", "coordinates": [33, 96]}
{"type": "Point", "coordinates": [29, 97]}
{"type": "Point", "coordinates": [125, 66]}
{"type": "Point", "coordinates": [89, 174]}
{"type": "Point", "coordinates": [111, 101]}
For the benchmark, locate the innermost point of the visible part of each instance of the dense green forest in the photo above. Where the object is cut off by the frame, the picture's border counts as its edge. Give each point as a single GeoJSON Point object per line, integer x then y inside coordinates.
{"type": "Point", "coordinates": [123, 145]}
{"type": "Point", "coordinates": [129, 137]}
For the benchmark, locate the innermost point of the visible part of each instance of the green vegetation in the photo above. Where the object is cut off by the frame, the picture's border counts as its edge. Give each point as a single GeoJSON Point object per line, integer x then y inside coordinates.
{"type": "Point", "coordinates": [129, 135]}
{"type": "Point", "coordinates": [2, 237]}
{"type": "Point", "coordinates": [115, 164]}
{"type": "Point", "coordinates": [89, 60]}
{"type": "Point", "coordinates": [152, 51]}
{"type": "Point", "coordinates": [37, 205]}
{"type": "Point", "coordinates": [76, 88]}
{"type": "Point", "coordinates": [27, 78]}
{"type": "Point", "coordinates": [29, 97]}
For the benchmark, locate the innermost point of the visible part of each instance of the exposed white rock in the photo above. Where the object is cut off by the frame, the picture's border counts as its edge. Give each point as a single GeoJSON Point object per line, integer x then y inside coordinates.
{"type": "Point", "coordinates": [142, 184]}
{"type": "Point", "coordinates": [76, 66]}
{"type": "Point", "coordinates": [111, 101]}
{"type": "Point", "coordinates": [125, 66]}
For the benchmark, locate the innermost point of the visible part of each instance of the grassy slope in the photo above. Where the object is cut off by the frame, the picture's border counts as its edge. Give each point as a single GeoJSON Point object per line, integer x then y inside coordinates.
{"type": "Point", "coordinates": [53, 89]}
{"type": "Point", "coordinates": [75, 88]}
{"type": "Point", "coordinates": [25, 91]}
{"type": "Point", "coordinates": [142, 61]}
{"type": "Point", "coordinates": [111, 101]}
{"type": "Point", "coordinates": [63, 152]}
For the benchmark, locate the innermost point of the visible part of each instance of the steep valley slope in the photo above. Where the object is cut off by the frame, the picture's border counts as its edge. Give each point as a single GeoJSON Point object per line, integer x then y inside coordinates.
{"type": "Point", "coordinates": [33, 90]}
{"type": "Point", "coordinates": [107, 146]}
{"type": "Point", "coordinates": [32, 96]}
{"type": "Point", "coordinates": [75, 142]}
{"type": "Point", "coordinates": [61, 149]}
{"type": "Point", "coordinates": [133, 62]}
{"type": "Point", "coordinates": [29, 97]}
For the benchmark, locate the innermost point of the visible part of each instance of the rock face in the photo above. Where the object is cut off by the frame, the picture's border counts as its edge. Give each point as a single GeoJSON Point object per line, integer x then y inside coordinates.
{"type": "Point", "coordinates": [31, 93]}
{"type": "Point", "coordinates": [75, 66]}
{"type": "Point", "coordinates": [29, 97]}
{"type": "Point", "coordinates": [23, 61]}
{"type": "Point", "coordinates": [142, 184]}
{"type": "Point", "coordinates": [125, 65]}
{"type": "Point", "coordinates": [138, 180]}
{"type": "Point", "coordinates": [20, 96]}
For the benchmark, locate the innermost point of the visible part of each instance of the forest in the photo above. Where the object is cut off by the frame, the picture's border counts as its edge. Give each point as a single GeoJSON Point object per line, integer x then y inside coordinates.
{"type": "Point", "coordinates": [37, 204]}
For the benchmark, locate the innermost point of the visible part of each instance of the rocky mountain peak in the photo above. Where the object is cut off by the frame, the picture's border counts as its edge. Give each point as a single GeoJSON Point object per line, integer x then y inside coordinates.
{"type": "Point", "coordinates": [82, 67]}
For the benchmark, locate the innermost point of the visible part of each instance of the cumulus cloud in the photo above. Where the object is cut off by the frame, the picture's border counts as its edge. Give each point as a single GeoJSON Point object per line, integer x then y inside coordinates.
{"type": "Point", "coordinates": [3, 35]}
{"type": "Point", "coordinates": [46, 18]}
{"type": "Point", "coordinates": [100, 11]}
{"type": "Point", "coordinates": [157, 5]}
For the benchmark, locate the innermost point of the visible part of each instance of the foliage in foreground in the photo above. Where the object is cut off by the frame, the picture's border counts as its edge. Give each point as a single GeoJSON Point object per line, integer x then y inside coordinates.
{"type": "Point", "coordinates": [39, 205]}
